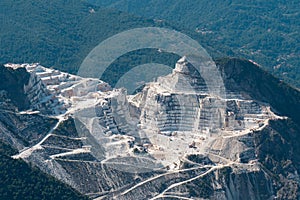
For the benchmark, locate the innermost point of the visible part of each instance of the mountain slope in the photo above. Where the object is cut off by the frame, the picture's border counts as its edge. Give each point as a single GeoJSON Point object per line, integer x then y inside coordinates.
{"type": "Point", "coordinates": [165, 141]}
{"type": "Point", "coordinates": [262, 86]}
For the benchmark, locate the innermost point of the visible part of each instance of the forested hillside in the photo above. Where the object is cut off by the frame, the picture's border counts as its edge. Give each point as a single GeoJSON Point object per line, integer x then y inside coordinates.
{"type": "Point", "coordinates": [264, 31]}
{"type": "Point", "coordinates": [20, 180]}
{"type": "Point", "coordinates": [60, 34]}
{"type": "Point", "coordinates": [57, 33]}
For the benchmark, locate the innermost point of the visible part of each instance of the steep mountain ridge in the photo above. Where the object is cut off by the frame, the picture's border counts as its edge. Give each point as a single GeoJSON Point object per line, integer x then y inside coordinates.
{"type": "Point", "coordinates": [261, 86]}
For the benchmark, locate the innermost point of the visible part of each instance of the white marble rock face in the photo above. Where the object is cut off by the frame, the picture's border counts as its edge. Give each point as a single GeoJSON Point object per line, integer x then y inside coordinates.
{"type": "Point", "coordinates": [176, 114]}
{"type": "Point", "coordinates": [176, 107]}
{"type": "Point", "coordinates": [161, 127]}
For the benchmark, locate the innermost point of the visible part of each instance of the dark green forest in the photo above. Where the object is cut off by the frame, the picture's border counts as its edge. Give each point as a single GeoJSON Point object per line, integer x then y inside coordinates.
{"type": "Point", "coordinates": [60, 34]}
{"type": "Point", "coordinates": [264, 31]}
{"type": "Point", "coordinates": [19, 180]}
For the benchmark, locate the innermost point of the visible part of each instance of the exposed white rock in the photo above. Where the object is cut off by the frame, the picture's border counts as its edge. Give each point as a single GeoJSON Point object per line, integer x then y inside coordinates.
{"type": "Point", "coordinates": [176, 115]}
{"type": "Point", "coordinates": [181, 66]}
{"type": "Point", "coordinates": [160, 127]}
{"type": "Point", "coordinates": [183, 118]}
